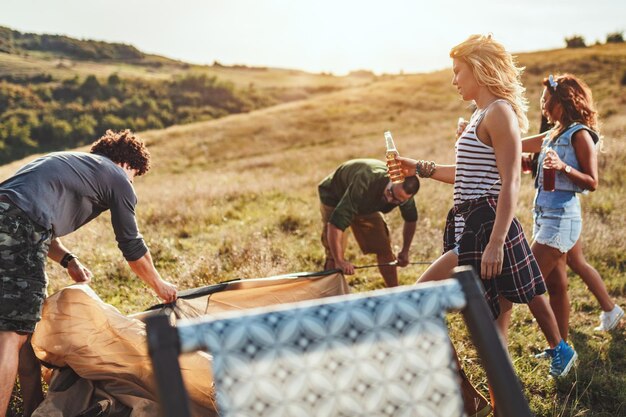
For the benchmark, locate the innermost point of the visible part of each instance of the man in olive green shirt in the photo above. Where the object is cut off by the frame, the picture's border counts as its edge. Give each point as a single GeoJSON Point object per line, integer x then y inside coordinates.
{"type": "Point", "coordinates": [356, 195]}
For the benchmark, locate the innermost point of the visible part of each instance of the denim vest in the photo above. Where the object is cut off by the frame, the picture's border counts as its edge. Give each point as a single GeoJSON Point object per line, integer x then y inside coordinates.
{"type": "Point", "coordinates": [562, 145]}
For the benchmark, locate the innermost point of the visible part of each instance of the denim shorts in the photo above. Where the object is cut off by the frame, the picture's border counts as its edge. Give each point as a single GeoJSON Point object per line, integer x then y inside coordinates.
{"type": "Point", "coordinates": [558, 227]}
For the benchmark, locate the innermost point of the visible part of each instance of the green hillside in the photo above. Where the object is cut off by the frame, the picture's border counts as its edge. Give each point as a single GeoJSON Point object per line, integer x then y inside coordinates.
{"type": "Point", "coordinates": [58, 92]}
{"type": "Point", "coordinates": [236, 198]}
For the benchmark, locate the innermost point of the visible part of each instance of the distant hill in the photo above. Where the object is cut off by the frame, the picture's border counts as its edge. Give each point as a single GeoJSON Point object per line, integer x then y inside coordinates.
{"type": "Point", "coordinates": [13, 41]}
{"type": "Point", "coordinates": [28, 54]}
{"type": "Point", "coordinates": [58, 92]}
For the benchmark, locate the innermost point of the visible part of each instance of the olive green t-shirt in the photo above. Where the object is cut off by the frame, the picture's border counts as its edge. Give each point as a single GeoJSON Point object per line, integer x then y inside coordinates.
{"type": "Point", "coordinates": [357, 187]}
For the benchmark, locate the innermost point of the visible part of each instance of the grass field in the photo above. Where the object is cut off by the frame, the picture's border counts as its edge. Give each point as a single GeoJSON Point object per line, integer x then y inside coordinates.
{"type": "Point", "coordinates": [236, 198]}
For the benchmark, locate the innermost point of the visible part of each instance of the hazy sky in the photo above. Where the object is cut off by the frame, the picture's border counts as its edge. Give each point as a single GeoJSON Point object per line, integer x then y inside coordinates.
{"type": "Point", "coordinates": [318, 35]}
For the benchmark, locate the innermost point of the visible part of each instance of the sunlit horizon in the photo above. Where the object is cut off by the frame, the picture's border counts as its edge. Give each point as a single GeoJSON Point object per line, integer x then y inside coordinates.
{"type": "Point", "coordinates": [322, 36]}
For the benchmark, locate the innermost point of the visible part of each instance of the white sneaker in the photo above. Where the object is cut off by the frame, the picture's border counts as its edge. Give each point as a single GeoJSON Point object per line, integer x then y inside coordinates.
{"type": "Point", "coordinates": [609, 319]}
{"type": "Point", "coordinates": [543, 355]}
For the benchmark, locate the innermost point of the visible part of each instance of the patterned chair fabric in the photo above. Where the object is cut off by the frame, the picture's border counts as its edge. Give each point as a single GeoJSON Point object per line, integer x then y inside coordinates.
{"type": "Point", "coordinates": [381, 353]}
{"type": "Point", "coordinates": [384, 353]}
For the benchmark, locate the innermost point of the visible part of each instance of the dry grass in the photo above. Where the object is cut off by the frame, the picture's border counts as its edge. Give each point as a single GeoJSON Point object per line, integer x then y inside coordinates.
{"type": "Point", "coordinates": [236, 197]}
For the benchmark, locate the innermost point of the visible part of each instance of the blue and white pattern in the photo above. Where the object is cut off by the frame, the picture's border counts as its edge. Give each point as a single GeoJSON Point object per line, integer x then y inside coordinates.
{"type": "Point", "coordinates": [383, 353]}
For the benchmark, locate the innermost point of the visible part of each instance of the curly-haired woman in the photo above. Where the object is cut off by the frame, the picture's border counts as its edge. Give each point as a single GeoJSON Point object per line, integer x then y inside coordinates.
{"type": "Point", "coordinates": [569, 149]}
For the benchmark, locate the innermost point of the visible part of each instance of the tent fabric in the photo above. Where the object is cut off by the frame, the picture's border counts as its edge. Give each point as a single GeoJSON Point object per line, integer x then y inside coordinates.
{"type": "Point", "coordinates": [250, 282]}
{"type": "Point", "coordinates": [71, 395]}
{"type": "Point", "coordinates": [108, 350]}
{"type": "Point", "coordinates": [250, 293]}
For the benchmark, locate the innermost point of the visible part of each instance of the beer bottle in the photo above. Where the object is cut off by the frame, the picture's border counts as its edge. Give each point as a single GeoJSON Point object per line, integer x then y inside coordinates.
{"type": "Point", "coordinates": [393, 166]}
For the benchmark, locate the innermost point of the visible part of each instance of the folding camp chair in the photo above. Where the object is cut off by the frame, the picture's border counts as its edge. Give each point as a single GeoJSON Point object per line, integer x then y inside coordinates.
{"type": "Point", "coordinates": [380, 353]}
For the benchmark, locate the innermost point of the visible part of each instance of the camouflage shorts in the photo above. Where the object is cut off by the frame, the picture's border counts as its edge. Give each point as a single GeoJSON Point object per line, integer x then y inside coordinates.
{"type": "Point", "coordinates": [23, 250]}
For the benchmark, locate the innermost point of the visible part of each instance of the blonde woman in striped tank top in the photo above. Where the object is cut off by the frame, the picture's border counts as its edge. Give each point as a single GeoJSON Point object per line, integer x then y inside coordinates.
{"type": "Point", "coordinates": [482, 230]}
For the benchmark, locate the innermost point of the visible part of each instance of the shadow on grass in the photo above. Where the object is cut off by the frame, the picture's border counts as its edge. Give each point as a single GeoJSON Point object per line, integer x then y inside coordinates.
{"type": "Point", "coordinates": [597, 386]}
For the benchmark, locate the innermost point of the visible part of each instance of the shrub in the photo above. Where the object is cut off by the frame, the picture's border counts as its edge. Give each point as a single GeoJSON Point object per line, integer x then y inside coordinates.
{"type": "Point", "coordinates": [78, 108]}
{"type": "Point", "coordinates": [84, 128]}
{"type": "Point", "coordinates": [16, 135]}
{"type": "Point", "coordinates": [153, 122]}
{"type": "Point", "coordinates": [13, 96]}
{"type": "Point", "coordinates": [575, 41]}
{"type": "Point", "coordinates": [53, 133]}
{"type": "Point", "coordinates": [91, 89]}
{"type": "Point", "coordinates": [111, 121]}
{"type": "Point", "coordinates": [289, 223]}
{"type": "Point", "coordinates": [6, 40]}
{"type": "Point", "coordinates": [615, 37]}
{"type": "Point", "coordinates": [40, 78]}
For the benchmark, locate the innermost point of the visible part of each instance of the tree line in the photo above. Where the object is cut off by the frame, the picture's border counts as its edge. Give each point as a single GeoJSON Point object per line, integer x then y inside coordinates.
{"type": "Point", "coordinates": [578, 41]}
{"type": "Point", "coordinates": [40, 114]}
{"type": "Point", "coordinates": [13, 41]}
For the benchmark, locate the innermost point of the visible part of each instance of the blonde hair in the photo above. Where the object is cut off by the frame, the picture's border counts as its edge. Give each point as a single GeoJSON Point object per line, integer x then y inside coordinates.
{"type": "Point", "coordinates": [495, 68]}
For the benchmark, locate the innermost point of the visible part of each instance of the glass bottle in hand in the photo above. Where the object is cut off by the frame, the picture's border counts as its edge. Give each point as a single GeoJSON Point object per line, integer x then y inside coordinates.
{"type": "Point", "coordinates": [393, 166]}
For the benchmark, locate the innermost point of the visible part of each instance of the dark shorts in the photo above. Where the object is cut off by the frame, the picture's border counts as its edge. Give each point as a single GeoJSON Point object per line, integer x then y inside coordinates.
{"type": "Point", "coordinates": [520, 280]}
{"type": "Point", "coordinates": [23, 250]}
{"type": "Point", "coordinates": [369, 230]}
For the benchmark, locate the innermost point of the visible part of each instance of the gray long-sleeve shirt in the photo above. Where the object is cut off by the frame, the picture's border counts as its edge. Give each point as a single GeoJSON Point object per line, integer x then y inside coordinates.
{"type": "Point", "coordinates": [62, 191]}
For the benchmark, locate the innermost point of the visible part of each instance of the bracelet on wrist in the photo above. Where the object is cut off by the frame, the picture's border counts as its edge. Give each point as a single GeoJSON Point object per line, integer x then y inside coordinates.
{"type": "Point", "coordinates": [67, 258]}
{"type": "Point", "coordinates": [425, 169]}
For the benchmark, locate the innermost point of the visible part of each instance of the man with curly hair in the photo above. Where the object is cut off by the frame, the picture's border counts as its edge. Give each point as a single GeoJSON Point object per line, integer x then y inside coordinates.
{"type": "Point", "coordinates": [46, 199]}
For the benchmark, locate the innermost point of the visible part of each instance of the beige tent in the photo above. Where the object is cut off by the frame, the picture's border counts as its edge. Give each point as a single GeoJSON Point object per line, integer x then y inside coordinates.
{"type": "Point", "coordinates": [101, 356]}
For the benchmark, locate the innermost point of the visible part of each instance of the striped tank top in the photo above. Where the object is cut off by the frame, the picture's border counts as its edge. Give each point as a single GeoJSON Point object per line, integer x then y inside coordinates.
{"type": "Point", "coordinates": [476, 171]}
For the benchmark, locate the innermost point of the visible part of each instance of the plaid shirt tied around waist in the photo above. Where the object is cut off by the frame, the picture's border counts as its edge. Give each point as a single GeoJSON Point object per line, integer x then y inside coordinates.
{"type": "Point", "coordinates": [520, 280]}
